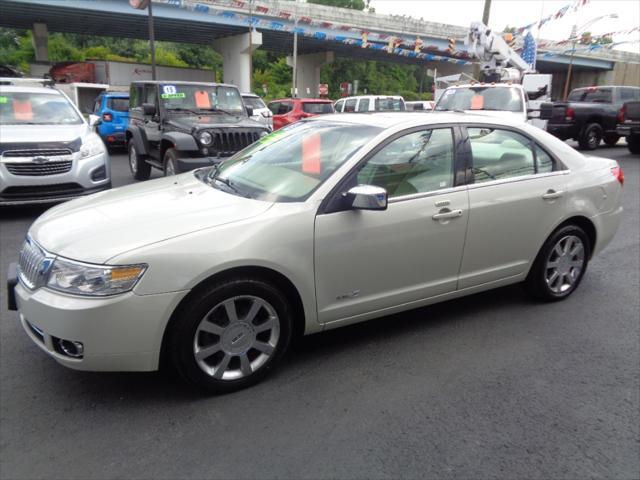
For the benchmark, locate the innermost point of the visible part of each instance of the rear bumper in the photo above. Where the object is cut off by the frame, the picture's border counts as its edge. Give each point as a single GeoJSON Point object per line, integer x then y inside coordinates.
{"type": "Point", "coordinates": [627, 130]}
{"type": "Point", "coordinates": [562, 131]}
{"type": "Point", "coordinates": [118, 138]}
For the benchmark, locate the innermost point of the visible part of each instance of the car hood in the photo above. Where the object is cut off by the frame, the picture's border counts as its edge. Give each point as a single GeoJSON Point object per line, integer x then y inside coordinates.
{"type": "Point", "coordinates": [218, 120]}
{"type": "Point", "coordinates": [499, 114]}
{"type": "Point", "coordinates": [38, 134]}
{"type": "Point", "coordinates": [101, 226]}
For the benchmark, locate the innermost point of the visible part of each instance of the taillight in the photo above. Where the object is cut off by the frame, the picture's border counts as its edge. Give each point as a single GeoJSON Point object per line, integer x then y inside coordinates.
{"type": "Point", "coordinates": [107, 117]}
{"type": "Point", "coordinates": [569, 113]}
{"type": "Point", "coordinates": [618, 173]}
{"type": "Point", "coordinates": [622, 113]}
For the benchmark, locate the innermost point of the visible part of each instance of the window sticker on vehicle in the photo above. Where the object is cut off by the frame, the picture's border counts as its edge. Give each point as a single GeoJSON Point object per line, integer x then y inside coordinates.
{"type": "Point", "coordinates": [173, 95]}
{"type": "Point", "coordinates": [170, 89]}
{"type": "Point", "coordinates": [4, 99]}
{"type": "Point", "coordinates": [272, 137]}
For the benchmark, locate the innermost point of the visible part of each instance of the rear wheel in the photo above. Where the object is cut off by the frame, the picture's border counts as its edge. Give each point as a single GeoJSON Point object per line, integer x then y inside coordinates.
{"type": "Point", "coordinates": [560, 265]}
{"type": "Point", "coordinates": [591, 137]}
{"type": "Point", "coordinates": [140, 169]}
{"type": "Point", "coordinates": [633, 143]}
{"type": "Point", "coordinates": [170, 162]}
{"type": "Point", "coordinates": [231, 335]}
{"type": "Point", "coordinates": [610, 139]}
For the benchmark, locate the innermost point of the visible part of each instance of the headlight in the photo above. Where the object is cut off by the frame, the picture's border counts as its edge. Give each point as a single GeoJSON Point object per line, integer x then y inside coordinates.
{"type": "Point", "coordinates": [95, 280]}
{"type": "Point", "coordinates": [91, 146]}
{"type": "Point", "coordinates": [262, 134]}
{"type": "Point", "coordinates": [205, 138]}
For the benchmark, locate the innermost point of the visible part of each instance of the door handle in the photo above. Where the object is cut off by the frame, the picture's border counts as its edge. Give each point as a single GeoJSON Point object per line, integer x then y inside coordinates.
{"type": "Point", "coordinates": [552, 194]}
{"type": "Point", "coordinates": [446, 214]}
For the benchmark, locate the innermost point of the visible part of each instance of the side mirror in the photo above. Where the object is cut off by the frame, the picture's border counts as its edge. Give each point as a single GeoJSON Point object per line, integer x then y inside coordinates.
{"type": "Point", "coordinates": [368, 197]}
{"type": "Point", "coordinates": [546, 111]}
{"type": "Point", "coordinates": [249, 111]}
{"type": "Point", "coordinates": [148, 109]}
{"type": "Point", "coordinates": [94, 120]}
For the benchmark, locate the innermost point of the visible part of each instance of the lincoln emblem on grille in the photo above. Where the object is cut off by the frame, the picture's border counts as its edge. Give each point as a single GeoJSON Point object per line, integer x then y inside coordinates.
{"type": "Point", "coordinates": [40, 160]}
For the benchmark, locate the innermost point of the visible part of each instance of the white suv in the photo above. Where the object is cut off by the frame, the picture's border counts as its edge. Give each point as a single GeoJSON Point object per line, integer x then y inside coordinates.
{"type": "Point", "coordinates": [48, 152]}
{"type": "Point", "coordinates": [261, 112]}
{"type": "Point", "coordinates": [370, 103]}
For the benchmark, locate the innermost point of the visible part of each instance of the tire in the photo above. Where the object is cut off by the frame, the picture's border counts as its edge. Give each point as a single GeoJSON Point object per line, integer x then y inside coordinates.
{"type": "Point", "coordinates": [590, 137]}
{"type": "Point", "coordinates": [610, 139]}
{"type": "Point", "coordinates": [170, 163]}
{"type": "Point", "coordinates": [140, 169]}
{"type": "Point", "coordinates": [566, 252]}
{"type": "Point", "coordinates": [633, 144]}
{"type": "Point", "coordinates": [236, 351]}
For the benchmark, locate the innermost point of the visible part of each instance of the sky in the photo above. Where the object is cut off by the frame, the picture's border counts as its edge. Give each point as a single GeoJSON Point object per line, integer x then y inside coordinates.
{"type": "Point", "coordinates": [518, 13]}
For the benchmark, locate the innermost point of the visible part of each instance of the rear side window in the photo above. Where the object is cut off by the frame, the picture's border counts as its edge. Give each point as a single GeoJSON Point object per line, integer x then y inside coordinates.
{"type": "Point", "coordinates": [629, 94]}
{"type": "Point", "coordinates": [118, 104]}
{"type": "Point", "coordinates": [338, 105]}
{"type": "Point", "coordinates": [594, 95]}
{"type": "Point", "coordinates": [135, 96]}
{"type": "Point", "coordinates": [363, 106]}
{"type": "Point", "coordinates": [499, 154]}
{"type": "Point", "coordinates": [350, 105]}
{"type": "Point", "coordinates": [389, 104]}
{"type": "Point", "coordinates": [317, 108]}
{"type": "Point", "coordinates": [284, 108]}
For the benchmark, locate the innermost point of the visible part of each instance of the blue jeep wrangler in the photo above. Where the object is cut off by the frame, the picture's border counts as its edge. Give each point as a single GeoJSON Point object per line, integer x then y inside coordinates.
{"type": "Point", "coordinates": [113, 110]}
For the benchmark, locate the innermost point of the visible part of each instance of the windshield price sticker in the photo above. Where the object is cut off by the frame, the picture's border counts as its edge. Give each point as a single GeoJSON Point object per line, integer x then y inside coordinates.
{"type": "Point", "coordinates": [173, 95]}
{"type": "Point", "coordinates": [4, 99]}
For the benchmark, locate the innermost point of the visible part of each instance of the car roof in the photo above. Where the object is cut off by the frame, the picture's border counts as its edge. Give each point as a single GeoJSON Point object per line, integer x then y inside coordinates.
{"type": "Point", "coordinates": [371, 96]}
{"type": "Point", "coordinates": [305, 100]}
{"type": "Point", "coordinates": [414, 118]}
{"type": "Point", "coordinates": [247, 94]}
{"type": "Point", "coordinates": [24, 89]}
{"type": "Point", "coordinates": [180, 82]}
{"type": "Point", "coordinates": [594, 87]}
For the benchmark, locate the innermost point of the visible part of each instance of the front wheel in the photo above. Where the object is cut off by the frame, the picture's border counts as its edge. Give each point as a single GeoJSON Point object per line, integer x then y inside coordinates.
{"type": "Point", "coordinates": [170, 162]}
{"type": "Point", "coordinates": [140, 169]}
{"type": "Point", "coordinates": [560, 264]}
{"type": "Point", "coordinates": [591, 137]}
{"type": "Point", "coordinates": [231, 335]}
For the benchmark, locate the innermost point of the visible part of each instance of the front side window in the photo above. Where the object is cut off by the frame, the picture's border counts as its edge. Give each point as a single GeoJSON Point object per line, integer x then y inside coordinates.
{"type": "Point", "coordinates": [414, 163]}
{"type": "Point", "coordinates": [151, 95]}
{"type": "Point", "coordinates": [499, 154]}
{"type": "Point", "coordinates": [284, 108]}
{"type": "Point", "coordinates": [389, 104]}
{"type": "Point", "coordinates": [593, 95]}
{"type": "Point", "coordinates": [18, 108]}
{"type": "Point", "coordinates": [290, 163]}
{"type": "Point", "coordinates": [350, 105]}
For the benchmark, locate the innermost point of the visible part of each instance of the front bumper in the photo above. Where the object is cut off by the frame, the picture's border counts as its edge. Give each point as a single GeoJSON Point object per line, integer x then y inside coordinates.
{"type": "Point", "coordinates": [86, 176]}
{"type": "Point", "coordinates": [118, 333]}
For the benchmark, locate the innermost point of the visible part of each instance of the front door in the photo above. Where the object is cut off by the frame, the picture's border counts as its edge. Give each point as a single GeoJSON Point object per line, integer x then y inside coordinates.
{"type": "Point", "coordinates": [367, 261]}
{"type": "Point", "coordinates": [516, 198]}
{"type": "Point", "coordinates": [152, 122]}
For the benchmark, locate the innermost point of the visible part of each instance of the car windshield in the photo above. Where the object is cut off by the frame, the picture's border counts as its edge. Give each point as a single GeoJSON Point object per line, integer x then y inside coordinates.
{"type": "Point", "coordinates": [254, 102]}
{"type": "Point", "coordinates": [180, 97]}
{"type": "Point", "coordinates": [17, 108]}
{"type": "Point", "coordinates": [290, 163]}
{"type": "Point", "coordinates": [507, 99]}
{"type": "Point", "coordinates": [317, 108]}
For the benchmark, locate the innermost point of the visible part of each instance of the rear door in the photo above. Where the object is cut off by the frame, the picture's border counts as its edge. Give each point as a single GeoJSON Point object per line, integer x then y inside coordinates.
{"type": "Point", "coordinates": [517, 194]}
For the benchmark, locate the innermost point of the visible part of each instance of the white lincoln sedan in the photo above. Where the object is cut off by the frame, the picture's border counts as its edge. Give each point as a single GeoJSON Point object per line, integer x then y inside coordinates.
{"type": "Point", "coordinates": [324, 223]}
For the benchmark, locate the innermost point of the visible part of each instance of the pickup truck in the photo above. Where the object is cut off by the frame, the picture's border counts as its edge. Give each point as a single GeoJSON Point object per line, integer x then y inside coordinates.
{"type": "Point", "coordinates": [629, 125]}
{"type": "Point", "coordinates": [591, 115]}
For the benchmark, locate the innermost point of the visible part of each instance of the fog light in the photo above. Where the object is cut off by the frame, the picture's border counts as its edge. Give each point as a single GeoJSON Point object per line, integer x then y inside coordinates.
{"type": "Point", "coordinates": [71, 348]}
{"type": "Point", "coordinates": [99, 173]}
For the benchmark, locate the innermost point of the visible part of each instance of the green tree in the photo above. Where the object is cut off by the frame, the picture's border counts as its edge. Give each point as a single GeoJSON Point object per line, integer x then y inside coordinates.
{"type": "Point", "coordinates": [352, 4]}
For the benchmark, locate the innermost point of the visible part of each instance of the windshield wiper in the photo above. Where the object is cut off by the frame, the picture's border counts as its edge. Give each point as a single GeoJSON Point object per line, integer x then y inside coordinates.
{"type": "Point", "coordinates": [180, 109]}
{"type": "Point", "coordinates": [219, 110]}
{"type": "Point", "coordinates": [213, 176]}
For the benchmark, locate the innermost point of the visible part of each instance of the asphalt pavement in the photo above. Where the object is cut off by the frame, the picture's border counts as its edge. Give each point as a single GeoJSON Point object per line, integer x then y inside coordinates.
{"type": "Point", "coordinates": [489, 386]}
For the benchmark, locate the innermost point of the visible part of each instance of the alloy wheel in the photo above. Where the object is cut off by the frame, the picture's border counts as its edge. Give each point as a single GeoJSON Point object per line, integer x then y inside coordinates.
{"type": "Point", "coordinates": [564, 265]}
{"type": "Point", "coordinates": [133, 160]}
{"type": "Point", "coordinates": [236, 337]}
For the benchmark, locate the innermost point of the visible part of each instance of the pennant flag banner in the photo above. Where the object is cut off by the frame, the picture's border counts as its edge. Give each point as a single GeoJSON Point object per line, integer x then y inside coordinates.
{"type": "Point", "coordinates": [568, 8]}
{"type": "Point", "coordinates": [365, 39]}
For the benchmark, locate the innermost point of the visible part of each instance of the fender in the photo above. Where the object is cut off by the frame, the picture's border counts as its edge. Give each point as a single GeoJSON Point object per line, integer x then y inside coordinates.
{"type": "Point", "coordinates": [139, 139]}
{"type": "Point", "coordinates": [183, 142]}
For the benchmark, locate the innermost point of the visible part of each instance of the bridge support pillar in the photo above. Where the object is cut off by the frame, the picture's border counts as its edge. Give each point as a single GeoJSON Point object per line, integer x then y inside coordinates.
{"type": "Point", "coordinates": [308, 74]}
{"type": "Point", "coordinates": [41, 42]}
{"type": "Point", "coordinates": [235, 53]}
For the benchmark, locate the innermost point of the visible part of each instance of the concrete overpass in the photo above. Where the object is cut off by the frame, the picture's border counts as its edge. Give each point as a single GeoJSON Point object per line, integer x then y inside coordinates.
{"type": "Point", "coordinates": [323, 32]}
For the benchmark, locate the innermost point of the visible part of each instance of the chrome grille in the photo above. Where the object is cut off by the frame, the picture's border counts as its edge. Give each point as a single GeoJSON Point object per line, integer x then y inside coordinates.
{"type": "Point", "coordinates": [31, 264]}
{"type": "Point", "coordinates": [50, 152]}
{"type": "Point", "coordinates": [39, 169]}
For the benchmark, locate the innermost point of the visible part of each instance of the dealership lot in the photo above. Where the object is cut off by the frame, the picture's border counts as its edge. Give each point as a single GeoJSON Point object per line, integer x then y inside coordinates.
{"type": "Point", "coordinates": [491, 385]}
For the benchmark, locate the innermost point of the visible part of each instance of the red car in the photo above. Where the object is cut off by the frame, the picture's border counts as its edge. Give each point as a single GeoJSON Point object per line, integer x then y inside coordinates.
{"type": "Point", "coordinates": [290, 110]}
